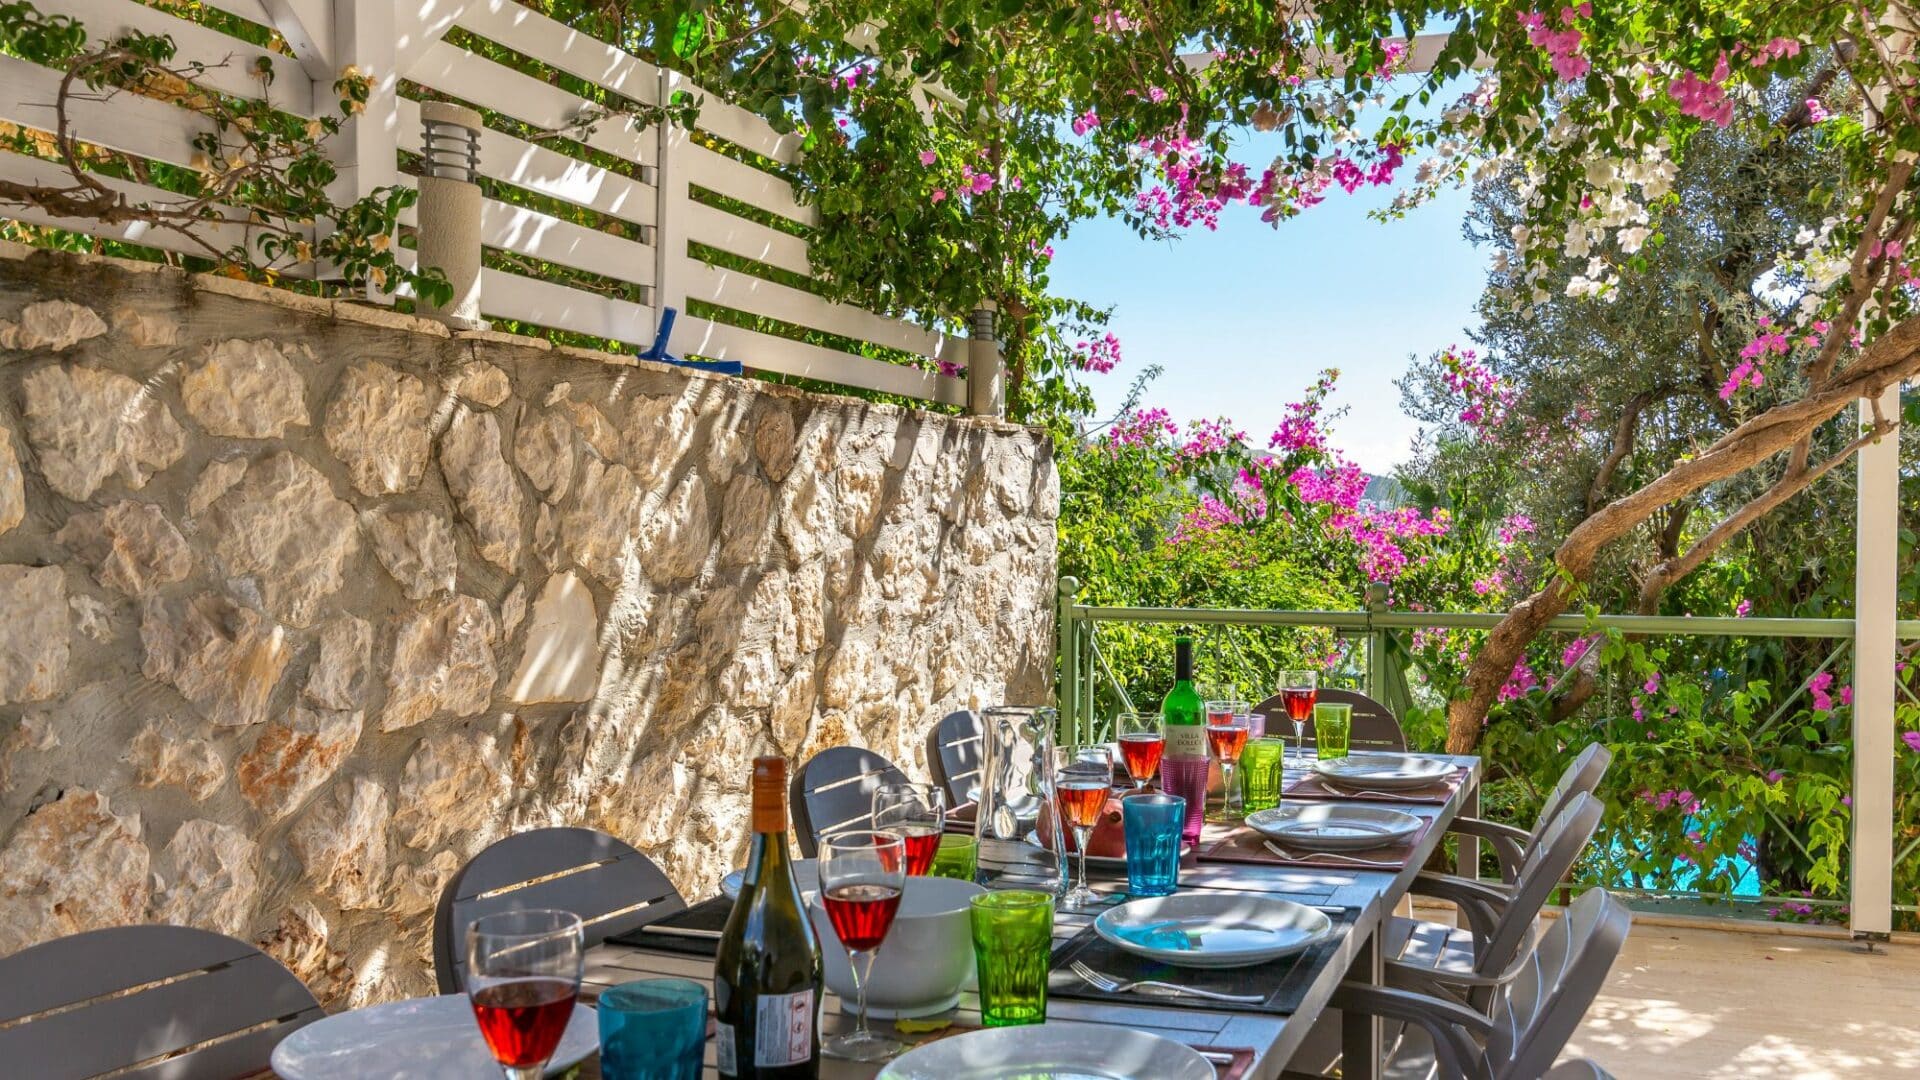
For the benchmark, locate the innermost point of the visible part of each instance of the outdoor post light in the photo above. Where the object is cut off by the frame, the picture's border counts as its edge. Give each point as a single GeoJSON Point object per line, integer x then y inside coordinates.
{"type": "Point", "coordinates": [449, 210]}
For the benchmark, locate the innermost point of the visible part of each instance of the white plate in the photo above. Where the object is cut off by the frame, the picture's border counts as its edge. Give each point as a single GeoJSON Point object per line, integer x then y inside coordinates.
{"type": "Point", "coordinates": [432, 1038]}
{"type": "Point", "coordinates": [806, 874]}
{"type": "Point", "coordinates": [1388, 772]}
{"type": "Point", "coordinates": [1233, 930]}
{"type": "Point", "coordinates": [1051, 1051]}
{"type": "Point", "coordinates": [1334, 826]}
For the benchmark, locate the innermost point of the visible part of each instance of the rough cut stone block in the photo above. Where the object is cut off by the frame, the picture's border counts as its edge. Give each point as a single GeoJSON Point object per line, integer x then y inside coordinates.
{"type": "Point", "coordinates": [455, 784]}
{"type": "Point", "coordinates": [442, 662]}
{"type": "Point", "coordinates": [72, 865]}
{"type": "Point", "coordinates": [210, 881]}
{"type": "Point", "coordinates": [54, 325]}
{"type": "Point", "coordinates": [33, 632]}
{"type": "Point", "coordinates": [338, 677]}
{"type": "Point", "coordinates": [247, 390]}
{"type": "Point", "coordinates": [484, 487]}
{"type": "Point", "coordinates": [416, 547]}
{"type": "Point", "coordinates": [543, 447]}
{"type": "Point", "coordinates": [13, 484]}
{"type": "Point", "coordinates": [561, 659]}
{"type": "Point", "coordinates": [293, 756]}
{"type": "Point", "coordinates": [86, 425]}
{"type": "Point", "coordinates": [221, 656]}
{"type": "Point", "coordinates": [164, 753]}
{"type": "Point", "coordinates": [480, 383]}
{"type": "Point", "coordinates": [131, 546]}
{"type": "Point", "coordinates": [341, 842]}
{"type": "Point", "coordinates": [282, 525]}
{"type": "Point", "coordinates": [377, 426]}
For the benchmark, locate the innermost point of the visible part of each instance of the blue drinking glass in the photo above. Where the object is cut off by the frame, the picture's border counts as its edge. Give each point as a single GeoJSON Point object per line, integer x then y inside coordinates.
{"type": "Point", "coordinates": [1152, 823]}
{"type": "Point", "coordinates": [653, 1029]}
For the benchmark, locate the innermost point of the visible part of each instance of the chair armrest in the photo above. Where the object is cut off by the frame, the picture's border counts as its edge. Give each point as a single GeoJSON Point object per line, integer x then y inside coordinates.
{"type": "Point", "coordinates": [1509, 843]}
{"type": "Point", "coordinates": [1482, 903]}
{"type": "Point", "coordinates": [1456, 1030]}
{"type": "Point", "coordinates": [1444, 982]}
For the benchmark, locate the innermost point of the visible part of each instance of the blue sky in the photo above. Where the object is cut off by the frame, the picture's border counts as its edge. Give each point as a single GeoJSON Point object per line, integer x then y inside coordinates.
{"type": "Point", "coordinates": [1242, 319]}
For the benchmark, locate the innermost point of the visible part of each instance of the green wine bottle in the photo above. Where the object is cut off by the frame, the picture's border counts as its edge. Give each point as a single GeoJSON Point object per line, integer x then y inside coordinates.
{"type": "Point", "coordinates": [767, 984]}
{"type": "Point", "coordinates": [1183, 771]}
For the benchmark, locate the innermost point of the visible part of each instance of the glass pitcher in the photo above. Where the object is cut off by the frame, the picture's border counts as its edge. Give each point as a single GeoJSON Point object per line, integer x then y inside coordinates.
{"type": "Point", "coordinates": [1016, 788]}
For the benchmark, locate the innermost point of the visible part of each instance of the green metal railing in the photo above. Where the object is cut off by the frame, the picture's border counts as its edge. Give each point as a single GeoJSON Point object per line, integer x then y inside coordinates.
{"type": "Point", "coordinates": [1084, 667]}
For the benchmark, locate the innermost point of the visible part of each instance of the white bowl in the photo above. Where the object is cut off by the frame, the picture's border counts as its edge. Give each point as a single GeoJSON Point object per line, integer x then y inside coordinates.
{"type": "Point", "coordinates": [925, 960]}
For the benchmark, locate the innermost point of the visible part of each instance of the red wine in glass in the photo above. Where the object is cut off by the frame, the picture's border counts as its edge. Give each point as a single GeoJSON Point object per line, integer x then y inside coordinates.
{"type": "Point", "coordinates": [1299, 702]}
{"type": "Point", "coordinates": [922, 843]}
{"type": "Point", "coordinates": [861, 914]}
{"type": "Point", "coordinates": [1082, 800]}
{"type": "Point", "coordinates": [522, 1020]}
{"type": "Point", "coordinates": [1142, 754]}
{"type": "Point", "coordinates": [1227, 740]}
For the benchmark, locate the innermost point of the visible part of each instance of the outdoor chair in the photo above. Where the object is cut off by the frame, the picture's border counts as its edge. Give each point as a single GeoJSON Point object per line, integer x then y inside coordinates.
{"type": "Point", "coordinates": [1542, 998]}
{"type": "Point", "coordinates": [1578, 1069]}
{"type": "Point", "coordinates": [833, 792]}
{"type": "Point", "coordinates": [128, 1000]}
{"type": "Point", "coordinates": [953, 756]}
{"type": "Point", "coordinates": [1374, 725]}
{"type": "Point", "coordinates": [1511, 844]}
{"type": "Point", "coordinates": [612, 887]}
{"type": "Point", "coordinates": [1468, 967]}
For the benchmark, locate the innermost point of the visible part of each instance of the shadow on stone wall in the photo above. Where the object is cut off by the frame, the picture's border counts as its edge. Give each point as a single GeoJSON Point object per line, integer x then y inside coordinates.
{"type": "Point", "coordinates": [302, 604]}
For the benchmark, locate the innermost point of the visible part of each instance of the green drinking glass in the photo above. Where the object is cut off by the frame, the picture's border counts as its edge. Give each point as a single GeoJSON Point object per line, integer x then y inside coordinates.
{"type": "Point", "coordinates": [954, 859]}
{"type": "Point", "coordinates": [1013, 948]}
{"type": "Point", "coordinates": [1332, 727]}
{"type": "Point", "coordinates": [1262, 772]}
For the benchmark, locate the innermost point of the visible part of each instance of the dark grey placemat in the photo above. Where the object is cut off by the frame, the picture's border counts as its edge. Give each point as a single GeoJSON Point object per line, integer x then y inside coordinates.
{"type": "Point", "coordinates": [1283, 981]}
{"type": "Point", "coordinates": [706, 919]}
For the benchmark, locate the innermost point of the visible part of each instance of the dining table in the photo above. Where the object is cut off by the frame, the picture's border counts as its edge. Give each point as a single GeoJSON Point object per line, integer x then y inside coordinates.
{"type": "Point", "coordinates": [1368, 896]}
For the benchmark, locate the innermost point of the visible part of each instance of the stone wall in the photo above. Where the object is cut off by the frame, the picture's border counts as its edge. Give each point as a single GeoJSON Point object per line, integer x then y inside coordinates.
{"type": "Point", "coordinates": [302, 604]}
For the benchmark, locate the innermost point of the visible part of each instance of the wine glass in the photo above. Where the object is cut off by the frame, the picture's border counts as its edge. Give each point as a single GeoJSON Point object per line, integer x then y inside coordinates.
{"type": "Point", "coordinates": [1298, 691]}
{"type": "Point", "coordinates": [918, 812]}
{"type": "Point", "coordinates": [862, 875]}
{"type": "Point", "coordinates": [1082, 780]}
{"type": "Point", "coordinates": [1227, 735]}
{"type": "Point", "coordinates": [523, 973]}
{"type": "Point", "coordinates": [1141, 743]}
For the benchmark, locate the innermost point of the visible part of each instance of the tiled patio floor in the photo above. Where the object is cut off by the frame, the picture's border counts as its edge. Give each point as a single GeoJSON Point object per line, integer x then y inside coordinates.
{"type": "Point", "coordinates": [1713, 1004]}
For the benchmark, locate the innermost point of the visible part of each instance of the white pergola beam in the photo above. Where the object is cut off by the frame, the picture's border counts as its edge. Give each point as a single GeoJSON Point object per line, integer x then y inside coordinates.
{"type": "Point", "coordinates": [1425, 53]}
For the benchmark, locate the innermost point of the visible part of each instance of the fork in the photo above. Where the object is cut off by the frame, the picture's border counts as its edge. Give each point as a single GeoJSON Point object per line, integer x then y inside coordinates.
{"type": "Point", "coordinates": [1388, 796]}
{"type": "Point", "coordinates": [1344, 860]}
{"type": "Point", "coordinates": [1112, 985]}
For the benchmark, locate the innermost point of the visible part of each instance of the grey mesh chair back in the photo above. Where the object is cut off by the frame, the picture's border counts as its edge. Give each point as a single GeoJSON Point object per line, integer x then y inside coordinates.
{"type": "Point", "coordinates": [953, 756]}
{"type": "Point", "coordinates": [226, 1000]}
{"type": "Point", "coordinates": [1542, 1005]}
{"type": "Point", "coordinates": [833, 792]}
{"type": "Point", "coordinates": [1374, 725]}
{"type": "Point", "coordinates": [612, 887]}
{"type": "Point", "coordinates": [1549, 863]}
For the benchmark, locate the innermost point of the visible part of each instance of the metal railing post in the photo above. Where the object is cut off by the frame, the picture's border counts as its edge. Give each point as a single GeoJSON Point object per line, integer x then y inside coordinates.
{"type": "Point", "coordinates": [1376, 639]}
{"type": "Point", "coordinates": [1067, 626]}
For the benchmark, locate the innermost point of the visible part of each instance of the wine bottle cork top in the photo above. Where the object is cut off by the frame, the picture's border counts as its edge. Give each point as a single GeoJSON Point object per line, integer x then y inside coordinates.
{"type": "Point", "coordinates": [769, 794]}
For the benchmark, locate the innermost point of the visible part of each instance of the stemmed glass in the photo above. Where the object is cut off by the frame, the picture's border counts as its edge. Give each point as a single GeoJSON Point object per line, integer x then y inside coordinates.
{"type": "Point", "coordinates": [1082, 780]}
{"type": "Point", "coordinates": [523, 974]}
{"type": "Point", "coordinates": [1298, 692]}
{"type": "Point", "coordinates": [918, 812]}
{"type": "Point", "coordinates": [1227, 734]}
{"type": "Point", "coordinates": [1141, 743]}
{"type": "Point", "coordinates": [862, 875]}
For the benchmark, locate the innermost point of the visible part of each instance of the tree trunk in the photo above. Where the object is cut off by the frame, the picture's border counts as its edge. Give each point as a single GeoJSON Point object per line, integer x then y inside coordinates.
{"type": "Point", "coordinates": [1889, 359]}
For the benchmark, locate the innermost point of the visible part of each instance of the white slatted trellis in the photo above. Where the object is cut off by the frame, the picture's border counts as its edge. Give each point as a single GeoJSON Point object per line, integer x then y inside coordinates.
{"type": "Point", "coordinates": [640, 189]}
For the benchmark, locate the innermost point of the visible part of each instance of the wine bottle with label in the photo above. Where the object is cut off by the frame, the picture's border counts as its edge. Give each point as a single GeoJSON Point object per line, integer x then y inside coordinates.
{"type": "Point", "coordinates": [1183, 771]}
{"type": "Point", "coordinates": [767, 986]}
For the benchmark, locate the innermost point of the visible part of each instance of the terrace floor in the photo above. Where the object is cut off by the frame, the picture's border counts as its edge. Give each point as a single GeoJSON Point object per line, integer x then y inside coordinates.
{"type": "Point", "coordinates": [1685, 1002]}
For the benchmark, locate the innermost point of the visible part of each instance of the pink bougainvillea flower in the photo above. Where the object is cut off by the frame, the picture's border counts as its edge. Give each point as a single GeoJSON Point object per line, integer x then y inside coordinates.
{"type": "Point", "coordinates": [1817, 689]}
{"type": "Point", "coordinates": [938, 194]}
{"type": "Point", "coordinates": [1743, 609]}
{"type": "Point", "coordinates": [928, 157]}
{"type": "Point", "coordinates": [1912, 739]}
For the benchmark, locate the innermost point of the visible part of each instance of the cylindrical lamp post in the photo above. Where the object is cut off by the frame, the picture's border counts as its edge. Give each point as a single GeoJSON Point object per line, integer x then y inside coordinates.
{"type": "Point", "coordinates": [449, 210]}
{"type": "Point", "coordinates": [986, 375]}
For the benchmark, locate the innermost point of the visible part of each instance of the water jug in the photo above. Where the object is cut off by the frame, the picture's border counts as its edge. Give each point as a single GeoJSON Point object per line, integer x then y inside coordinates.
{"type": "Point", "coordinates": [1016, 789]}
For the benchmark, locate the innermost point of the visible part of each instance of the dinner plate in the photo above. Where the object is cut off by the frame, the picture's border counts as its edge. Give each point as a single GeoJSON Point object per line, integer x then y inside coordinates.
{"type": "Point", "coordinates": [1334, 826]}
{"type": "Point", "coordinates": [1223, 930]}
{"type": "Point", "coordinates": [1051, 1051]}
{"type": "Point", "coordinates": [432, 1038]}
{"type": "Point", "coordinates": [1388, 772]}
{"type": "Point", "coordinates": [806, 874]}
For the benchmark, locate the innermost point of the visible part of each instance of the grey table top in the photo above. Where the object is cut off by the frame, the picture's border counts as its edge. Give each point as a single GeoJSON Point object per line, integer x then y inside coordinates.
{"type": "Point", "coordinates": [1273, 1039]}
